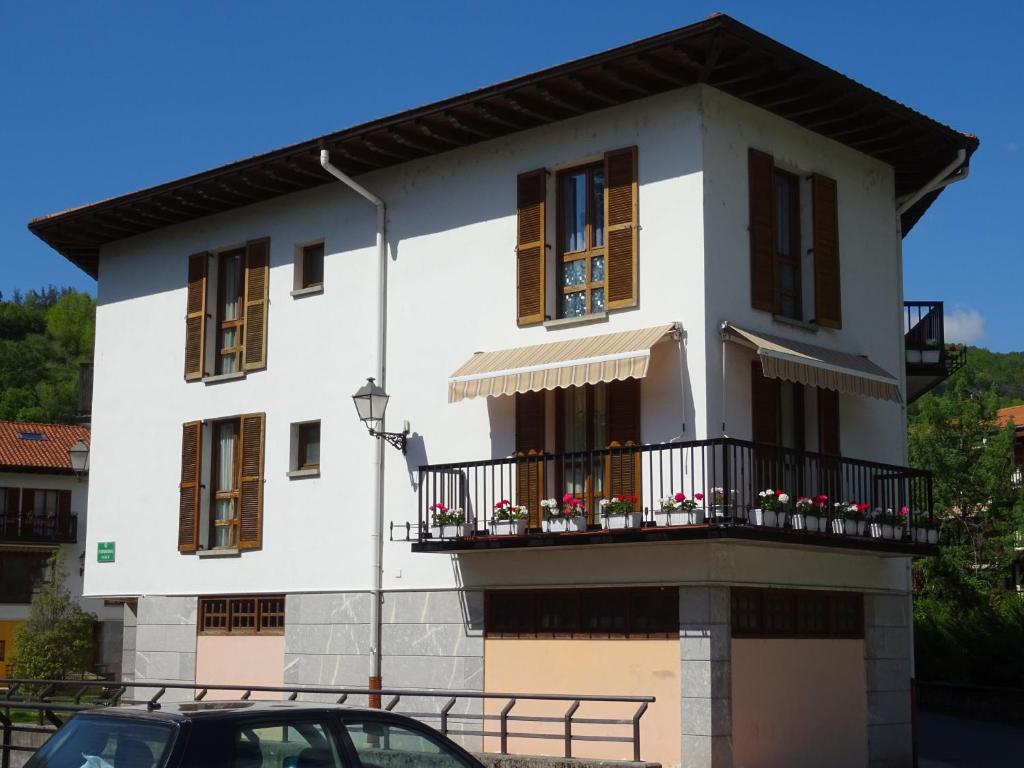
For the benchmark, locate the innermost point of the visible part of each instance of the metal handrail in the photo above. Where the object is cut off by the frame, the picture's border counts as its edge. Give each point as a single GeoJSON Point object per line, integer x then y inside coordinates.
{"type": "Point", "coordinates": [116, 689]}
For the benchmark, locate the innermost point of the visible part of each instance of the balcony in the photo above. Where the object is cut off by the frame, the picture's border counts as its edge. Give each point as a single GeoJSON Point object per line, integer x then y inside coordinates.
{"type": "Point", "coordinates": [722, 476]}
{"type": "Point", "coordinates": [37, 529]}
{"type": "Point", "coordinates": [929, 359]}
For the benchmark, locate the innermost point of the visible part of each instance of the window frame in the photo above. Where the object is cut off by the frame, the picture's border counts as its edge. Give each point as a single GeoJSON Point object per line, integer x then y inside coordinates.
{"type": "Point", "coordinates": [238, 324]}
{"type": "Point", "coordinates": [302, 445]}
{"type": "Point", "coordinates": [220, 611]}
{"type": "Point", "coordinates": [795, 598]}
{"type": "Point", "coordinates": [307, 258]}
{"type": "Point", "coordinates": [530, 606]}
{"type": "Point", "coordinates": [589, 252]}
{"type": "Point", "coordinates": [793, 259]}
{"type": "Point", "coordinates": [233, 495]}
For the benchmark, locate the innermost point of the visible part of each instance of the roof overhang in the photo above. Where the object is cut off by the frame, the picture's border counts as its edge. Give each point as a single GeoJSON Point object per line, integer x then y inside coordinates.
{"type": "Point", "coordinates": [719, 52]}
{"type": "Point", "coordinates": [817, 366]}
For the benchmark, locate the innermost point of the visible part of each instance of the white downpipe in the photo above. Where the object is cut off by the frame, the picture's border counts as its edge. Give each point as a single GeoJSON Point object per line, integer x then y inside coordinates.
{"type": "Point", "coordinates": [940, 180]}
{"type": "Point", "coordinates": [377, 534]}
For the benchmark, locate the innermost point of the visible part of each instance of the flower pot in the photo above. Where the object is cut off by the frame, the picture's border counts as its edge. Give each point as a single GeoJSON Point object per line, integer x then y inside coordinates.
{"type": "Point", "coordinates": [780, 519]}
{"type": "Point", "coordinates": [920, 535]}
{"type": "Point", "coordinates": [876, 530]}
{"type": "Point", "coordinates": [886, 531]}
{"type": "Point", "coordinates": [811, 522]}
{"type": "Point", "coordinates": [931, 356]}
{"type": "Point", "coordinates": [850, 527]}
{"type": "Point", "coordinates": [797, 521]}
{"type": "Point", "coordinates": [933, 535]}
{"type": "Point", "coordinates": [838, 526]}
{"type": "Point", "coordinates": [697, 516]}
{"type": "Point", "coordinates": [897, 532]}
{"type": "Point", "coordinates": [565, 524]}
{"type": "Point", "coordinates": [508, 527]}
{"type": "Point", "coordinates": [862, 526]}
{"type": "Point", "coordinates": [616, 522]}
{"type": "Point", "coordinates": [756, 516]}
{"type": "Point", "coordinates": [454, 531]}
{"type": "Point", "coordinates": [664, 518]}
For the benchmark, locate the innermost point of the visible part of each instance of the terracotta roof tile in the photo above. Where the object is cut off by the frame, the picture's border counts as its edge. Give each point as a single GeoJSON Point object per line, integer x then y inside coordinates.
{"type": "Point", "coordinates": [38, 446]}
{"type": "Point", "coordinates": [1014, 413]}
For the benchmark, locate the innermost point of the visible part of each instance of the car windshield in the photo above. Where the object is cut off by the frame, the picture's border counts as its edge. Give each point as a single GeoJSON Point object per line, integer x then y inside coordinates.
{"type": "Point", "coordinates": [106, 742]}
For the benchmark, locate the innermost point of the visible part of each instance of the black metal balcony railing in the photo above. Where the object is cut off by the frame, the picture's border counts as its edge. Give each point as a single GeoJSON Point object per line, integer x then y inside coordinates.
{"type": "Point", "coordinates": [29, 528]}
{"type": "Point", "coordinates": [723, 475]}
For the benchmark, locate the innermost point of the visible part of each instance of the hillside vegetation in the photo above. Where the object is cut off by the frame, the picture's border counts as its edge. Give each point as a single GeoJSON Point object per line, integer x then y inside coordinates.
{"type": "Point", "coordinates": [44, 336]}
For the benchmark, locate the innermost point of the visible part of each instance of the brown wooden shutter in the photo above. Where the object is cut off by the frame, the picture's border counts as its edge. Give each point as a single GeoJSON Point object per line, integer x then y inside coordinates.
{"type": "Point", "coordinates": [765, 400]}
{"type": "Point", "coordinates": [828, 308]}
{"type": "Point", "coordinates": [11, 514]}
{"type": "Point", "coordinates": [195, 316]}
{"type": "Point", "coordinates": [190, 488]}
{"type": "Point", "coordinates": [761, 174]}
{"type": "Point", "coordinates": [257, 261]}
{"type": "Point", "coordinates": [250, 503]}
{"type": "Point", "coordinates": [622, 465]}
{"type": "Point", "coordinates": [64, 504]}
{"type": "Point", "coordinates": [530, 246]}
{"type": "Point", "coordinates": [828, 422]}
{"type": "Point", "coordinates": [529, 451]}
{"type": "Point", "coordinates": [621, 227]}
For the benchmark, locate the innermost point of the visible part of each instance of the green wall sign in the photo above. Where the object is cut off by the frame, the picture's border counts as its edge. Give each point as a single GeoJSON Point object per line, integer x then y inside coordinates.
{"type": "Point", "coordinates": [105, 552]}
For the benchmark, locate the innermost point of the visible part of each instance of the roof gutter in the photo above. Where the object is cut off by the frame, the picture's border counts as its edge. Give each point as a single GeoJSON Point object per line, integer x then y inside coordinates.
{"type": "Point", "coordinates": [377, 532]}
{"type": "Point", "coordinates": [956, 171]}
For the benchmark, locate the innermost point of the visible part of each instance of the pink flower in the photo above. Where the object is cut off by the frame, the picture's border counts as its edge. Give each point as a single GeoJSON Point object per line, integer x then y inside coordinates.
{"type": "Point", "coordinates": [699, 496]}
{"type": "Point", "coordinates": [904, 511]}
{"type": "Point", "coordinates": [680, 497]}
{"type": "Point", "coordinates": [568, 498]}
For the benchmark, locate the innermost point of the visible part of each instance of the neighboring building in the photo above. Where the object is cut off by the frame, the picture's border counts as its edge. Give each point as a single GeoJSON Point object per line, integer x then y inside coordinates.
{"type": "Point", "coordinates": [1015, 415]}
{"type": "Point", "coordinates": [596, 273]}
{"type": "Point", "coordinates": [42, 509]}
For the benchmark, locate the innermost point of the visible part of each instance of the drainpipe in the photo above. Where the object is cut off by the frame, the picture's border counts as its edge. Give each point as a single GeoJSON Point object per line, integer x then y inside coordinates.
{"type": "Point", "coordinates": [377, 534]}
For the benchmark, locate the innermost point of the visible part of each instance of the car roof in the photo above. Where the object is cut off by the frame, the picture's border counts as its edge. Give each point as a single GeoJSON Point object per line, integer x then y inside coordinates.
{"type": "Point", "coordinates": [225, 710]}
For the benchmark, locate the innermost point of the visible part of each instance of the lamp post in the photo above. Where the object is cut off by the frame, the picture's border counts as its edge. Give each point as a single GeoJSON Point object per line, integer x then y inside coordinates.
{"type": "Point", "coordinates": [371, 401]}
{"type": "Point", "coordinates": [78, 455]}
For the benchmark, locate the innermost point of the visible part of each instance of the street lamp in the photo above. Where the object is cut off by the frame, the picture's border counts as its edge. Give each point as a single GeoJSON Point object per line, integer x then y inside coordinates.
{"type": "Point", "coordinates": [78, 455]}
{"type": "Point", "coordinates": [371, 401]}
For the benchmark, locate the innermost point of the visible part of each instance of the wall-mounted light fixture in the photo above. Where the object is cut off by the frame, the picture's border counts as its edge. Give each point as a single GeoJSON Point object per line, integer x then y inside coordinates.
{"type": "Point", "coordinates": [371, 401]}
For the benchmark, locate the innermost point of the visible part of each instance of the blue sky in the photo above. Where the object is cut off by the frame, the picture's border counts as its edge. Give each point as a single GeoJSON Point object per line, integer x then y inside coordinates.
{"type": "Point", "coordinates": [102, 98]}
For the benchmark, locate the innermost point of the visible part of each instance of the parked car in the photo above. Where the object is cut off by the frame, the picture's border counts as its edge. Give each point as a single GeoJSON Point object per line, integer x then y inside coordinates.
{"type": "Point", "coordinates": [248, 734]}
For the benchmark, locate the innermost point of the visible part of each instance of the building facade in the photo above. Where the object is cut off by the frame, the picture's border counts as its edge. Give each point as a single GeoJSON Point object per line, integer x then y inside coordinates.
{"type": "Point", "coordinates": [43, 504]}
{"type": "Point", "coordinates": [648, 273]}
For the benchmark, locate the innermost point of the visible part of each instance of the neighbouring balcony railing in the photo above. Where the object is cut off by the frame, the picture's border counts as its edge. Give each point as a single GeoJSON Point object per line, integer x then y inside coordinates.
{"type": "Point", "coordinates": [29, 528]}
{"type": "Point", "coordinates": [728, 474]}
{"type": "Point", "coordinates": [925, 333]}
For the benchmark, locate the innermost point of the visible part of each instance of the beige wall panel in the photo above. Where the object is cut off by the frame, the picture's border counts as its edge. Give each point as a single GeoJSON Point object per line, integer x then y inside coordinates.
{"type": "Point", "coordinates": [245, 660]}
{"type": "Point", "coordinates": [799, 704]}
{"type": "Point", "coordinates": [590, 666]}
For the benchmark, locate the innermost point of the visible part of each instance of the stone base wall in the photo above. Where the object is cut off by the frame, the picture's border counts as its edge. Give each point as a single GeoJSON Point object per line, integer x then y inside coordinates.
{"type": "Point", "coordinates": [165, 643]}
{"type": "Point", "coordinates": [888, 642]}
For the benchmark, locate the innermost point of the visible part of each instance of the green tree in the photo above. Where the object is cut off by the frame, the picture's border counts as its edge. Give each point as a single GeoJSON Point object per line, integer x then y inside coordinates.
{"type": "Point", "coordinates": [70, 322]}
{"type": "Point", "coordinates": [57, 638]}
{"type": "Point", "coordinates": [956, 437]}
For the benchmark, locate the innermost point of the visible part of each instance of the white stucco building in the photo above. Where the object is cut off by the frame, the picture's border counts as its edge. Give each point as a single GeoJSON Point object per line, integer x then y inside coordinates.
{"type": "Point", "coordinates": [681, 262]}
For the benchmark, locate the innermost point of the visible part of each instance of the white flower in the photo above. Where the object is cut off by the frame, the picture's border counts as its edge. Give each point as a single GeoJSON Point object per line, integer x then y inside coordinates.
{"type": "Point", "coordinates": [604, 502]}
{"type": "Point", "coordinates": [784, 498]}
{"type": "Point", "coordinates": [762, 494]}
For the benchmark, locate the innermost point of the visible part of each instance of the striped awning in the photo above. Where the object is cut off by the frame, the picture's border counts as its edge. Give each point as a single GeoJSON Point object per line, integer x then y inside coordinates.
{"type": "Point", "coordinates": [574, 362]}
{"type": "Point", "coordinates": [818, 366]}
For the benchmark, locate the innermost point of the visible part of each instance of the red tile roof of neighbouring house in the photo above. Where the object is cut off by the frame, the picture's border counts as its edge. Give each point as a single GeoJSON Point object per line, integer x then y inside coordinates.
{"type": "Point", "coordinates": [1014, 413]}
{"type": "Point", "coordinates": [29, 447]}
{"type": "Point", "coordinates": [719, 52]}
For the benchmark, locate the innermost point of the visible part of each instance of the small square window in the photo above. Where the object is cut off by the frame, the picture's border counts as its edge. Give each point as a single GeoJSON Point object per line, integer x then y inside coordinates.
{"type": "Point", "coordinates": [312, 265]}
{"type": "Point", "coordinates": [306, 446]}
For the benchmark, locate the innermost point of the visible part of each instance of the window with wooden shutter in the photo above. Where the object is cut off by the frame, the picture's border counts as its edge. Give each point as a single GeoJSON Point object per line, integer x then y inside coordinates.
{"type": "Point", "coordinates": [195, 316]}
{"type": "Point", "coordinates": [827, 292]}
{"type": "Point", "coordinates": [257, 268]}
{"type": "Point", "coordinates": [250, 505]}
{"type": "Point", "coordinates": [828, 422]}
{"type": "Point", "coordinates": [530, 246]}
{"type": "Point", "coordinates": [622, 465]}
{"type": "Point", "coordinates": [765, 400]}
{"type": "Point", "coordinates": [529, 453]}
{"type": "Point", "coordinates": [190, 486]}
{"type": "Point", "coordinates": [622, 229]}
{"type": "Point", "coordinates": [761, 172]}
